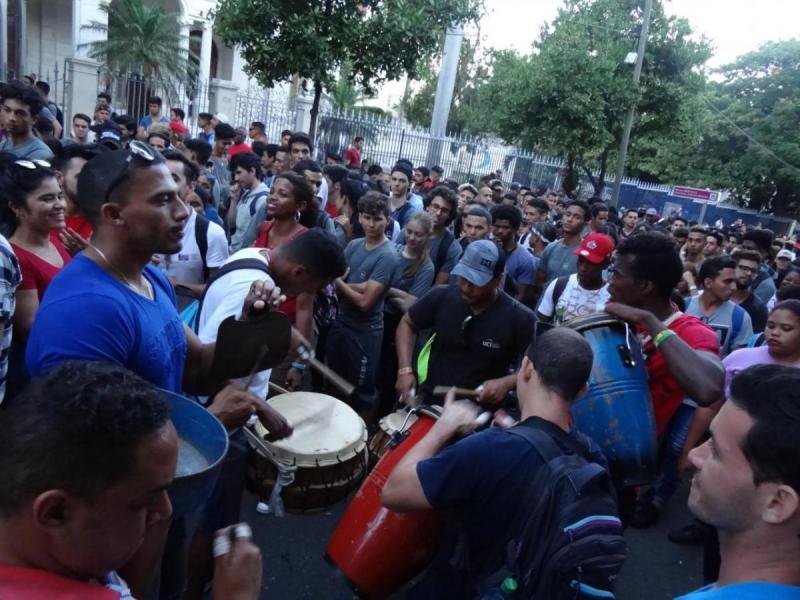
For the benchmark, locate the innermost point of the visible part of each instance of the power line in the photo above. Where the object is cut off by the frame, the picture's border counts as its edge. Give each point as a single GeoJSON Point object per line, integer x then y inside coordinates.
{"type": "Point", "coordinates": [748, 136]}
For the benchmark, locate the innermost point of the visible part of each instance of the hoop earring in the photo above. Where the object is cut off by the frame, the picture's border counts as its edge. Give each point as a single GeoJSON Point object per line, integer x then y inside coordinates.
{"type": "Point", "coordinates": [297, 216]}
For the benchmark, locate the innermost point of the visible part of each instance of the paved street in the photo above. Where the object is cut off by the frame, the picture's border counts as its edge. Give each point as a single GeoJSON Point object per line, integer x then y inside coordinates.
{"type": "Point", "coordinates": [294, 568]}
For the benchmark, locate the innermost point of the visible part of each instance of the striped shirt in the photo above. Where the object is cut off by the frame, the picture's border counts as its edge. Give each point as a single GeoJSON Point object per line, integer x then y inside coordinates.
{"type": "Point", "coordinates": [10, 278]}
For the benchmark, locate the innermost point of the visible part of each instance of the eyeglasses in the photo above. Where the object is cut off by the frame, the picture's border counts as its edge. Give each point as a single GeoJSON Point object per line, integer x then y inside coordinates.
{"type": "Point", "coordinates": [138, 150]}
{"type": "Point", "coordinates": [32, 164]}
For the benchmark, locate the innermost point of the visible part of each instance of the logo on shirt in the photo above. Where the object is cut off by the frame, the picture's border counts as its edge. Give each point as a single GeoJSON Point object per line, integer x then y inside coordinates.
{"type": "Point", "coordinates": [490, 344]}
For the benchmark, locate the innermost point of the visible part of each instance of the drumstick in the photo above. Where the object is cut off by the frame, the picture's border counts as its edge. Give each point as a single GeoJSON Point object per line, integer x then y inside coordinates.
{"type": "Point", "coordinates": [278, 388]}
{"type": "Point", "coordinates": [303, 350]}
{"type": "Point", "coordinates": [256, 439]}
{"type": "Point", "coordinates": [441, 390]}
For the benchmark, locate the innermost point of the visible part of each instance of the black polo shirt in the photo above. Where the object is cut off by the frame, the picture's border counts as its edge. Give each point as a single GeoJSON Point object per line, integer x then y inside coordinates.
{"type": "Point", "coordinates": [469, 349]}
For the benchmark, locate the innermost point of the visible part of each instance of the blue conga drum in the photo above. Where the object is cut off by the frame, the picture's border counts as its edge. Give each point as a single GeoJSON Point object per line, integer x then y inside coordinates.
{"type": "Point", "coordinates": [617, 412]}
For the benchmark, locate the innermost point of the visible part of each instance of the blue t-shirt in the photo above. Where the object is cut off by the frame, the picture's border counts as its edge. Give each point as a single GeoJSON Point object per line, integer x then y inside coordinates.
{"type": "Point", "coordinates": [745, 591]}
{"type": "Point", "coordinates": [88, 314]}
{"type": "Point", "coordinates": [481, 479]}
{"type": "Point", "coordinates": [147, 120]}
{"type": "Point", "coordinates": [521, 266]}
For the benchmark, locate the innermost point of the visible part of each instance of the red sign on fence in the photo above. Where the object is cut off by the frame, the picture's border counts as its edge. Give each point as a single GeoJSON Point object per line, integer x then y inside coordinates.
{"type": "Point", "coordinates": [680, 191]}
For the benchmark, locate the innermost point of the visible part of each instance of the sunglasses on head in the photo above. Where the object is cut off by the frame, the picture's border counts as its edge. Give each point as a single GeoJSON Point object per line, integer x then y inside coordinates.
{"type": "Point", "coordinates": [32, 164]}
{"type": "Point", "coordinates": [138, 150]}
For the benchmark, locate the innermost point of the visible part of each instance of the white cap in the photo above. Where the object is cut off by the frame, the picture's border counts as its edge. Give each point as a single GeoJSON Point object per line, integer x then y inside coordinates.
{"type": "Point", "coordinates": [221, 117]}
{"type": "Point", "coordinates": [786, 254]}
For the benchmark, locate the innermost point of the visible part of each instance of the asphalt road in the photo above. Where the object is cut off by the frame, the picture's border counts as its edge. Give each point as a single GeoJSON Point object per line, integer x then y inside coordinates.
{"type": "Point", "coordinates": [294, 567]}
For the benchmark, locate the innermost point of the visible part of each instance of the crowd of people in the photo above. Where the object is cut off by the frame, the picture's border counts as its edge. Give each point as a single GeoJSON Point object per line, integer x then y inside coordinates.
{"type": "Point", "coordinates": [127, 243]}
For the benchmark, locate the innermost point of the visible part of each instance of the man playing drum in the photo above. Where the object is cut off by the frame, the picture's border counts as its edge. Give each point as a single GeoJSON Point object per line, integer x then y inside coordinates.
{"type": "Point", "coordinates": [482, 475]}
{"type": "Point", "coordinates": [304, 265]}
{"type": "Point", "coordinates": [480, 331]}
{"type": "Point", "coordinates": [682, 353]}
{"type": "Point", "coordinates": [112, 305]}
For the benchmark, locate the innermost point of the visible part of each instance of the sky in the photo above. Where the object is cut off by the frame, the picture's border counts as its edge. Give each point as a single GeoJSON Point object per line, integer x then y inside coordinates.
{"type": "Point", "coordinates": [734, 27]}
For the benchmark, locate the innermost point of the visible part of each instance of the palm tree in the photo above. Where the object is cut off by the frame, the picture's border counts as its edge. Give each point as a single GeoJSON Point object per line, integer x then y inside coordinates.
{"type": "Point", "coordinates": [143, 40]}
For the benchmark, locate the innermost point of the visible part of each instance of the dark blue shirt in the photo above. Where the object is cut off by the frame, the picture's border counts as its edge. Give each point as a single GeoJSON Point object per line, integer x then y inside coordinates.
{"type": "Point", "coordinates": [88, 314]}
{"type": "Point", "coordinates": [480, 480]}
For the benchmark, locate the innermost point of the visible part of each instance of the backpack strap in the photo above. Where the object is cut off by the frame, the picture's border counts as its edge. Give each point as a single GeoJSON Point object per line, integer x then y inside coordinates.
{"type": "Point", "coordinates": [253, 201]}
{"type": "Point", "coordinates": [201, 225]}
{"type": "Point", "coordinates": [558, 290]}
{"type": "Point", "coordinates": [736, 322]}
{"type": "Point", "coordinates": [547, 448]}
{"type": "Point", "coordinates": [242, 263]}
{"type": "Point", "coordinates": [441, 253]}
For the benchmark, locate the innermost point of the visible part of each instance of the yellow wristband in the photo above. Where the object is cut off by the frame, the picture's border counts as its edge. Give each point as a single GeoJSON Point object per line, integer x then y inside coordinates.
{"type": "Point", "coordinates": [661, 336]}
{"type": "Point", "coordinates": [405, 371]}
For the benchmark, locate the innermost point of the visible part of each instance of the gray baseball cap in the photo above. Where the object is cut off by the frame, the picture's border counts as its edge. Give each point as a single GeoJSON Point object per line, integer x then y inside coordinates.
{"type": "Point", "coordinates": [478, 263]}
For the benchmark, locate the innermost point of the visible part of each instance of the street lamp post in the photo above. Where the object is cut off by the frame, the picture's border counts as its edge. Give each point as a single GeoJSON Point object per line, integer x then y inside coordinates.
{"type": "Point", "coordinates": [626, 132]}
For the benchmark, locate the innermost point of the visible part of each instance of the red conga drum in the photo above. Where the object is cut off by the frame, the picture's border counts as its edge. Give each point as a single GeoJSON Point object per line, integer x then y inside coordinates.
{"type": "Point", "coordinates": [377, 549]}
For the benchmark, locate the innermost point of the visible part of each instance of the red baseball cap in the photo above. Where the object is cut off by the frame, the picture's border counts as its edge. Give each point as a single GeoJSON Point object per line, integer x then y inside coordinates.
{"type": "Point", "coordinates": [178, 127]}
{"type": "Point", "coordinates": [596, 248]}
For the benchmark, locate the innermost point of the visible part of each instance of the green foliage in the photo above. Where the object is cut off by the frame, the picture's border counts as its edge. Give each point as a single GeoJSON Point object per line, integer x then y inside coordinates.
{"type": "Point", "coordinates": [349, 97]}
{"type": "Point", "coordinates": [380, 39]}
{"type": "Point", "coordinates": [570, 95]}
{"type": "Point", "coordinates": [466, 111]}
{"type": "Point", "coordinates": [748, 141]}
{"type": "Point", "coordinates": [142, 39]}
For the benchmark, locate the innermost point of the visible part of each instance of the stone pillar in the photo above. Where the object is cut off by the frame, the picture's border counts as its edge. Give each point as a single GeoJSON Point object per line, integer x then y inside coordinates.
{"type": "Point", "coordinates": [222, 98]}
{"type": "Point", "coordinates": [302, 115]}
{"type": "Point", "coordinates": [83, 12]}
{"type": "Point", "coordinates": [204, 77]}
{"type": "Point", "coordinates": [4, 38]}
{"type": "Point", "coordinates": [81, 92]}
{"type": "Point", "coordinates": [183, 99]}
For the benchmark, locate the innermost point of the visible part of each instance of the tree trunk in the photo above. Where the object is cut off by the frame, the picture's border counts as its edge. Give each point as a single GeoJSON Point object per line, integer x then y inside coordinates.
{"type": "Point", "coordinates": [312, 128]}
{"type": "Point", "coordinates": [601, 180]}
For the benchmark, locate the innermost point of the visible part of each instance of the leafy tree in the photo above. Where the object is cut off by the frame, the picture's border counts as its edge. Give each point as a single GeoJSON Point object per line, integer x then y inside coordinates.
{"type": "Point", "coordinates": [345, 95]}
{"type": "Point", "coordinates": [570, 95]}
{"type": "Point", "coordinates": [466, 112]}
{"type": "Point", "coordinates": [381, 39]}
{"type": "Point", "coordinates": [748, 141]}
{"type": "Point", "coordinates": [145, 40]}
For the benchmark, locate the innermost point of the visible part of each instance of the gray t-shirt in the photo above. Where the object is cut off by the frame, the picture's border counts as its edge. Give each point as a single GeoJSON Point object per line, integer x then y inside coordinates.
{"type": "Point", "coordinates": [450, 259]}
{"type": "Point", "coordinates": [379, 264]}
{"type": "Point", "coordinates": [34, 148]}
{"type": "Point", "coordinates": [558, 260]}
{"type": "Point", "coordinates": [731, 333]}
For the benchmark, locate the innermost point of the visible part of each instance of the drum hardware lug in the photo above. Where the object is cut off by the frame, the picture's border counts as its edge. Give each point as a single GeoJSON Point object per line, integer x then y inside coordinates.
{"type": "Point", "coordinates": [626, 356]}
{"type": "Point", "coordinates": [397, 438]}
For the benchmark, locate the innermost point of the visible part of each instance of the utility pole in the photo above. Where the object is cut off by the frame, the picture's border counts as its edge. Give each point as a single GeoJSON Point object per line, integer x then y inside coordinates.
{"type": "Point", "coordinates": [444, 89]}
{"type": "Point", "coordinates": [626, 132]}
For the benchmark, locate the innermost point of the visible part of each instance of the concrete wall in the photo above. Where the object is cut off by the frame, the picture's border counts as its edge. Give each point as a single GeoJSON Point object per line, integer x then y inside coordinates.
{"type": "Point", "coordinates": [49, 36]}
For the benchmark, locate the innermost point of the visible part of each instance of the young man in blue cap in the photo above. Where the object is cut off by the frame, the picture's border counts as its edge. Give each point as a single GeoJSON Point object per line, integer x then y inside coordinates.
{"type": "Point", "coordinates": [481, 332]}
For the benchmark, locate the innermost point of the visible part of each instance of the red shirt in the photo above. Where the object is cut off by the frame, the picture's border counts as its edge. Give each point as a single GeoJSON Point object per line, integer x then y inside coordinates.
{"type": "Point", "coordinates": [237, 148]}
{"type": "Point", "coordinates": [289, 307]}
{"type": "Point", "coordinates": [666, 393]}
{"type": "Point", "coordinates": [80, 225]}
{"type": "Point", "coordinates": [352, 157]}
{"type": "Point", "coordinates": [21, 583]}
{"type": "Point", "coordinates": [37, 273]}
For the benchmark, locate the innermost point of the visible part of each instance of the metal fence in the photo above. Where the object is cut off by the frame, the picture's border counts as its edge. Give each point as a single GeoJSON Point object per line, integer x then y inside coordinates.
{"type": "Point", "coordinates": [267, 106]}
{"type": "Point", "coordinates": [465, 158]}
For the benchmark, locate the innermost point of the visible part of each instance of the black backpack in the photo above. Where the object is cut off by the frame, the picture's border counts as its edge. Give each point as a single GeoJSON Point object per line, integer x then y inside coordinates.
{"type": "Point", "coordinates": [569, 545]}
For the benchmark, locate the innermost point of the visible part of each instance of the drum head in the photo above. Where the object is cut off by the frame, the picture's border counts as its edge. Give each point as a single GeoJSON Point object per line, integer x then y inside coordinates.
{"type": "Point", "coordinates": [326, 430]}
{"type": "Point", "coordinates": [601, 319]}
{"type": "Point", "coordinates": [394, 421]}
